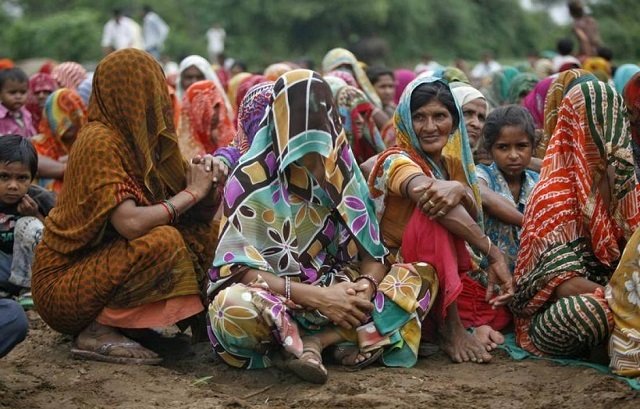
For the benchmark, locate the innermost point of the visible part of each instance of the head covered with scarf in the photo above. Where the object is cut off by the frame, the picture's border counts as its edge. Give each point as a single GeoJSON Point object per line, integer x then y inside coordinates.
{"type": "Point", "coordinates": [535, 99]}
{"type": "Point", "coordinates": [560, 86]}
{"type": "Point", "coordinates": [357, 118]}
{"type": "Point", "coordinates": [63, 111]}
{"type": "Point", "coordinates": [277, 217]}
{"type": "Point", "coordinates": [623, 75]}
{"type": "Point", "coordinates": [127, 150]}
{"type": "Point", "coordinates": [205, 68]}
{"type": "Point", "coordinates": [38, 83]}
{"type": "Point", "coordinates": [69, 74]}
{"type": "Point", "coordinates": [204, 122]}
{"type": "Point", "coordinates": [632, 101]}
{"type": "Point", "coordinates": [340, 57]}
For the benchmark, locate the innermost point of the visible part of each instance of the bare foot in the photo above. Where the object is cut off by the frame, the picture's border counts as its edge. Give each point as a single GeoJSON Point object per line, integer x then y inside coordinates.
{"type": "Point", "coordinates": [489, 337]}
{"type": "Point", "coordinates": [105, 343]}
{"type": "Point", "coordinates": [460, 345]}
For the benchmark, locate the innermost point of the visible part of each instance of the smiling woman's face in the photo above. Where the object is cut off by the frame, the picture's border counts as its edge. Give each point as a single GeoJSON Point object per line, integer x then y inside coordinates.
{"type": "Point", "coordinates": [432, 124]}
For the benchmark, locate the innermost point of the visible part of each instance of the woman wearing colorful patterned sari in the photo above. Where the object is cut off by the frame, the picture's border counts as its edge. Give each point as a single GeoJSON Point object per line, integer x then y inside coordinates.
{"type": "Point", "coordinates": [129, 241]}
{"type": "Point", "coordinates": [427, 196]}
{"type": "Point", "coordinates": [580, 214]}
{"type": "Point", "coordinates": [64, 115]}
{"type": "Point", "coordinates": [297, 217]}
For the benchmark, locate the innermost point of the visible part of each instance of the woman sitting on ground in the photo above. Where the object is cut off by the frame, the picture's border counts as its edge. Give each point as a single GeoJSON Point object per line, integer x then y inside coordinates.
{"type": "Point", "coordinates": [428, 202]}
{"type": "Point", "coordinates": [285, 278]}
{"type": "Point", "coordinates": [579, 216]}
{"type": "Point", "coordinates": [128, 244]}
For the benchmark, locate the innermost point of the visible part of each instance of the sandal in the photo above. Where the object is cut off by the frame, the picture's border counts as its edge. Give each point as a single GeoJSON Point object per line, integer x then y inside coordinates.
{"type": "Point", "coordinates": [102, 354]}
{"type": "Point", "coordinates": [340, 353]}
{"type": "Point", "coordinates": [309, 366]}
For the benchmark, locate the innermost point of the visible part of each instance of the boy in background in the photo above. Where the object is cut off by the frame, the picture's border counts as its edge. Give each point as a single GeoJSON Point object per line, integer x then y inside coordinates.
{"type": "Point", "coordinates": [15, 119]}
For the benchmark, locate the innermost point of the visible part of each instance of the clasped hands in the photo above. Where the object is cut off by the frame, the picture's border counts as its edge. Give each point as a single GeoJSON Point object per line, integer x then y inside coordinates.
{"type": "Point", "coordinates": [205, 172]}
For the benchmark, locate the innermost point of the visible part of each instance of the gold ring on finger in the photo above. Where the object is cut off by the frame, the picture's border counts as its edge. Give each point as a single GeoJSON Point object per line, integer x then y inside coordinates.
{"type": "Point", "coordinates": [441, 213]}
{"type": "Point", "coordinates": [430, 203]}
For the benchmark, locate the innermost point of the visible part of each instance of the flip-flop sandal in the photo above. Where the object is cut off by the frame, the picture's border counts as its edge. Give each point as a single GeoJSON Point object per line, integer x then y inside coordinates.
{"type": "Point", "coordinates": [309, 369]}
{"type": "Point", "coordinates": [340, 352]}
{"type": "Point", "coordinates": [102, 354]}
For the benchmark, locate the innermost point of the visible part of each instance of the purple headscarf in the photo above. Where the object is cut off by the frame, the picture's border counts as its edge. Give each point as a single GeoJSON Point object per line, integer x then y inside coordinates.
{"type": "Point", "coordinates": [534, 101]}
{"type": "Point", "coordinates": [403, 78]}
{"type": "Point", "coordinates": [250, 114]}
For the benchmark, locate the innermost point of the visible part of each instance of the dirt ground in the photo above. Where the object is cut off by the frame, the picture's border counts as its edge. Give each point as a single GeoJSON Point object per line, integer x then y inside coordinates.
{"type": "Point", "coordinates": [39, 373]}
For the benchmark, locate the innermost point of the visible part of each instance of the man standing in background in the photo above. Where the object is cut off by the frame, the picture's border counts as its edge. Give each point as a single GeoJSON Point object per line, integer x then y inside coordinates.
{"type": "Point", "coordinates": [120, 32]}
{"type": "Point", "coordinates": [154, 31]}
{"type": "Point", "coordinates": [215, 42]}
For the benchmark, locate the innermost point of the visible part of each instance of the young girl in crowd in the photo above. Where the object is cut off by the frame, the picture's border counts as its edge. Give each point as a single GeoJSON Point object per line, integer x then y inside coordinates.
{"type": "Point", "coordinates": [509, 136]}
{"type": "Point", "coordinates": [14, 116]}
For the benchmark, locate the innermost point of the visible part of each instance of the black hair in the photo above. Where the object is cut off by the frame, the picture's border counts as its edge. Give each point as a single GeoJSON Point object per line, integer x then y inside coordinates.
{"type": "Point", "coordinates": [437, 90]}
{"type": "Point", "coordinates": [605, 52]}
{"type": "Point", "coordinates": [508, 115]}
{"type": "Point", "coordinates": [15, 148]}
{"type": "Point", "coordinates": [147, 8]}
{"type": "Point", "coordinates": [576, 9]}
{"type": "Point", "coordinates": [240, 64]}
{"type": "Point", "coordinates": [12, 74]}
{"type": "Point", "coordinates": [564, 46]}
{"type": "Point", "coordinates": [117, 12]}
{"type": "Point", "coordinates": [374, 73]}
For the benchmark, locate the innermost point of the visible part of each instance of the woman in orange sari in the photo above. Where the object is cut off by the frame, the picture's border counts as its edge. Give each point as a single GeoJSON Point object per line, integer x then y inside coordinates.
{"type": "Point", "coordinates": [128, 244]}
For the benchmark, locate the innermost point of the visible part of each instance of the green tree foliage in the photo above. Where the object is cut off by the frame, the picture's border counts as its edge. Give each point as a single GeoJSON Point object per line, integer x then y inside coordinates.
{"type": "Point", "coordinates": [263, 31]}
{"type": "Point", "coordinates": [67, 35]}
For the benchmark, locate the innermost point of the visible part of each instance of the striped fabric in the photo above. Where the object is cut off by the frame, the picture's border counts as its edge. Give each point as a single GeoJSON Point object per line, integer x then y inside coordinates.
{"type": "Point", "coordinates": [568, 230]}
{"type": "Point", "coordinates": [572, 326]}
{"type": "Point", "coordinates": [556, 93]}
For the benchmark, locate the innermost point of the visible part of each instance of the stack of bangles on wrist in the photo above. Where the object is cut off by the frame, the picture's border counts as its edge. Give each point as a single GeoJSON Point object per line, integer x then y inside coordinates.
{"type": "Point", "coordinates": [287, 288]}
{"type": "Point", "coordinates": [171, 211]}
{"type": "Point", "coordinates": [371, 280]}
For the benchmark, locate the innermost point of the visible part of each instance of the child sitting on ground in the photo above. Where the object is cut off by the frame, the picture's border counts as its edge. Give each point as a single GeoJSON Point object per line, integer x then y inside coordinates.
{"type": "Point", "coordinates": [15, 119]}
{"type": "Point", "coordinates": [23, 207]}
{"type": "Point", "coordinates": [509, 136]}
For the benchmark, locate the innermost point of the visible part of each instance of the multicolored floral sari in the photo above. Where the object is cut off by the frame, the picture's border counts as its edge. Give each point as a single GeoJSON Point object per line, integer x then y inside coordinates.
{"type": "Point", "coordinates": [280, 220]}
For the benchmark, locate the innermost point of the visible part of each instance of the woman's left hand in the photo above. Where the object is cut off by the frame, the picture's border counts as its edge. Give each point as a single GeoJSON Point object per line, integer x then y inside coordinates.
{"type": "Point", "coordinates": [217, 167]}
